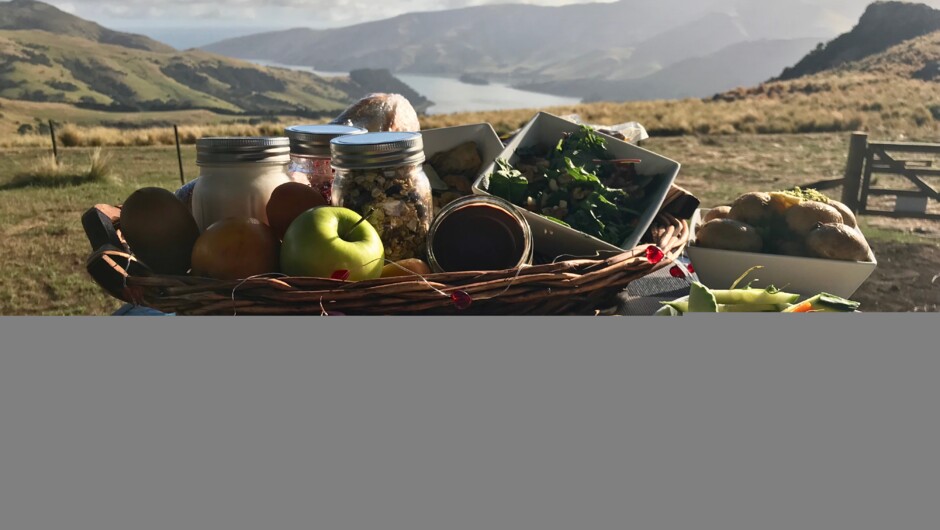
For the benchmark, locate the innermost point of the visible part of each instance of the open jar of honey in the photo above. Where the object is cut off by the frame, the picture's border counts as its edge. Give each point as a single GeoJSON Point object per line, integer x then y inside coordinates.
{"type": "Point", "coordinates": [479, 233]}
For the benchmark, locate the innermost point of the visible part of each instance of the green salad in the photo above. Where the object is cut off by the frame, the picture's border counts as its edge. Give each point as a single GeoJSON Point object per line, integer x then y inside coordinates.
{"type": "Point", "coordinates": [577, 183]}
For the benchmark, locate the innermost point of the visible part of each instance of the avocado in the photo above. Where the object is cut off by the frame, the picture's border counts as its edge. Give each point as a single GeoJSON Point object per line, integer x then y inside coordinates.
{"type": "Point", "coordinates": [159, 229]}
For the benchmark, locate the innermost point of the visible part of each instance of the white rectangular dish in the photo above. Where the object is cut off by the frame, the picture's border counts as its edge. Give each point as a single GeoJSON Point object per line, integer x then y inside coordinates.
{"type": "Point", "coordinates": [553, 239]}
{"type": "Point", "coordinates": [718, 269]}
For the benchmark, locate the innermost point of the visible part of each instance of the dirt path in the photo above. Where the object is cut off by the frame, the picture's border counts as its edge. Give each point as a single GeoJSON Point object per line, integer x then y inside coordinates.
{"type": "Point", "coordinates": [907, 279]}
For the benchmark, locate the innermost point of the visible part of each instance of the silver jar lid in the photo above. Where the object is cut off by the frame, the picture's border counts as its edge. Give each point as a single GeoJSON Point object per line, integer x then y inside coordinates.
{"type": "Point", "coordinates": [247, 149]}
{"type": "Point", "coordinates": [314, 140]}
{"type": "Point", "coordinates": [378, 150]}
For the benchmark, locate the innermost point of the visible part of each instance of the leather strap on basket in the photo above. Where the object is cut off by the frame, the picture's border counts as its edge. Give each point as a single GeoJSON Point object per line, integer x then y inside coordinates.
{"type": "Point", "coordinates": [100, 224]}
{"type": "Point", "coordinates": [110, 267]}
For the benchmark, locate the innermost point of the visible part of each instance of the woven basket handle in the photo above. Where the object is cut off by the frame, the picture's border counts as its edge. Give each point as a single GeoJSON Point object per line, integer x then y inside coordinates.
{"type": "Point", "coordinates": [680, 203]}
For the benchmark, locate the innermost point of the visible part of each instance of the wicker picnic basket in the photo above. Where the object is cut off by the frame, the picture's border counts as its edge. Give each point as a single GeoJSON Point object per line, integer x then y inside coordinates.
{"type": "Point", "coordinates": [581, 286]}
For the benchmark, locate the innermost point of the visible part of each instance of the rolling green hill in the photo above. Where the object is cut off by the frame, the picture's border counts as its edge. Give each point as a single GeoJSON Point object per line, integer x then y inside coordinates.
{"type": "Point", "coordinates": [38, 66]}
{"type": "Point", "coordinates": [49, 57]}
{"type": "Point", "coordinates": [29, 14]}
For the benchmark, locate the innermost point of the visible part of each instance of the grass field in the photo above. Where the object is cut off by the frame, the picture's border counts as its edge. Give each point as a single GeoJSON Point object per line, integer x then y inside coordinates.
{"type": "Point", "coordinates": [43, 248]}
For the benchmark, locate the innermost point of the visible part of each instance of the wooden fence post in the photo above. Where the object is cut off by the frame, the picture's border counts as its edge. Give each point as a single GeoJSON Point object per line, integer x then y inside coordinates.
{"type": "Point", "coordinates": [179, 154]}
{"type": "Point", "coordinates": [852, 182]}
{"type": "Point", "coordinates": [55, 147]}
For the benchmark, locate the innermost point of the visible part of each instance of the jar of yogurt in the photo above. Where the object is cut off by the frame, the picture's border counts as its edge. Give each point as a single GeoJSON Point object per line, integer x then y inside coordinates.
{"type": "Point", "coordinates": [237, 176]}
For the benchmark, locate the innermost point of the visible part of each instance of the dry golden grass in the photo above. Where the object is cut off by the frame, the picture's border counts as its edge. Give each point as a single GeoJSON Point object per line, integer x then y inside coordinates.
{"type": "Point", "coordinates": [97, 136]}
{"type": "Point", "coordinates": [840, 101]}
{"type": "Point", "coordinates": [47, 172]}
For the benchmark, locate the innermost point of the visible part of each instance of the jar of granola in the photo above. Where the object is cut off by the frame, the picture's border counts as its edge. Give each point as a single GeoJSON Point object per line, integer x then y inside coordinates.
{"type": "Point", "coordinates": [310, 154]}
{"type": "Point", "coordinates": [381, 175]}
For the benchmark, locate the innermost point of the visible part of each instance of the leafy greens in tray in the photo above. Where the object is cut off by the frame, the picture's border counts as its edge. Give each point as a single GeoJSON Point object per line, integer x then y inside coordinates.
{"type": "Point", "coordinates": [577, 183]}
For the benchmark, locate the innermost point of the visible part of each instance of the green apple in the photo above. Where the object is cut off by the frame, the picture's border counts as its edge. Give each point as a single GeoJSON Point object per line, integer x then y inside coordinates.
{"type": "Point", "coordinates": [326, 239]}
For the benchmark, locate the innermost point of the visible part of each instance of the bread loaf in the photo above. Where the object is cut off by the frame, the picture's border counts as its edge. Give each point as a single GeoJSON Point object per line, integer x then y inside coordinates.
{"type": "Point", "coordinates": [381, 113]}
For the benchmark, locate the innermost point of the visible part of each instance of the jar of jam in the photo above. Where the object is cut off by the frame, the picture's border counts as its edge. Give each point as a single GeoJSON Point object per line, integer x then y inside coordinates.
{"type": "Point", "coordinates": [310, 154]}
{"type": "Point", "coordinates": [479, 233]}
{"type": "Point", "coordinates": [237, 176]}
{"type": "Point", "coordinates": [381, 176]}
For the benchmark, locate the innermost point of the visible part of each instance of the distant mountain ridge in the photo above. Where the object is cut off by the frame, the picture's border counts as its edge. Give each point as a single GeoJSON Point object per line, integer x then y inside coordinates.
{"type": "Point", "coordinates": [582, 50]}
{"type": "Point", "coordinates": [883, 25]}
{"type": "Point", "coordinates": [30, 14]}
{"type": "Point", "coordinates": [528, 43]}
{"type": "Point", "coordinates": [912, 65]}
{"type": "Point", "coordinates": [738, 65]}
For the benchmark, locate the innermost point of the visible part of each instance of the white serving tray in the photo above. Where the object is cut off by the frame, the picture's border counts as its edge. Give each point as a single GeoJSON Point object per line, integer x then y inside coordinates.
{"type": "Point", "coordinates": [553, 239]}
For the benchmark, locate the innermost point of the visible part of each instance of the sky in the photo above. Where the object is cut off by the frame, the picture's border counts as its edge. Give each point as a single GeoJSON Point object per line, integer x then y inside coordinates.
{"type": "Point", "coordinates": [187, 23]}
{"type": "Point", "coordinates": [273, 13]}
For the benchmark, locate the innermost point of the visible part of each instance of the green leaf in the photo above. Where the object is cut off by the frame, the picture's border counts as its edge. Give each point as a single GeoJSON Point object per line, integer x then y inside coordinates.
{"type": "Point", "coordinates": [580, 175]}
{"type": "Point", "coordinates": [701, 299]}
{"type": "Point", "coordinates": [509, 183]}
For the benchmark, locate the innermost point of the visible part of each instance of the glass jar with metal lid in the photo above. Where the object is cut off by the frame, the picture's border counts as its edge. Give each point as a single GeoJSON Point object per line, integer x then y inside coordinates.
{"type": "Point", "coordinates": [310, 154]}
{"type": "Point", "coordinates": [237, 176]}
{"type": "Point", "coordinates": [479, 233]}
{"type": "Point", "coordinates": [381, 176]}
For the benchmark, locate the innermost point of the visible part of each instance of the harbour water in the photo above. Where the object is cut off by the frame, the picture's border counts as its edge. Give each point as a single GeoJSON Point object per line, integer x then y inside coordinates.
{"type": "Point", "coordinates": [451, 95]}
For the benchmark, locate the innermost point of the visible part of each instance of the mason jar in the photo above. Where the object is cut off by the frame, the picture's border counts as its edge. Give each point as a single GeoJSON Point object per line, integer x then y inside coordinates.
{"type": "Point", "coordinates": [381, 176]}
{"type": "Point", "coordinates": [237, 176]}
{"type": "Point", "coordinates": [310, 154]}
{"type": "Point", "coordinates": [479, 233]}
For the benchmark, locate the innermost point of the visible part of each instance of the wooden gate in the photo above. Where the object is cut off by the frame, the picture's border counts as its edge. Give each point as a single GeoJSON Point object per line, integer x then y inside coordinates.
{"type": "Point", "coordinates": [911, 170]}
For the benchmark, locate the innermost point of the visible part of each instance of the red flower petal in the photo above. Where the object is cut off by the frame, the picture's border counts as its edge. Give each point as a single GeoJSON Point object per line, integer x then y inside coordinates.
{"type": "Point", "coordinates": [676, 272]}
{"type": "Point", "coordinates": [654, 255]}
{"type": "Point", "coordinates": [691, 269]}
{"type": "Point", "coordinates": [341, 275]}
{"type": "Point", "coordinates": [461, 299]}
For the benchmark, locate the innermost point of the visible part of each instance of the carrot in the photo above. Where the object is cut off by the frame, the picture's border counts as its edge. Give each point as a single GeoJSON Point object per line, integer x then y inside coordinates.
{"type": "Point", "coordinates": [803, 307]}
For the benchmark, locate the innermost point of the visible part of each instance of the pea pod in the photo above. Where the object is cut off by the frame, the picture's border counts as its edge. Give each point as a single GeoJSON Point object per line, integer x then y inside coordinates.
{"type": "Point", "coordinates": [755, 296]}
{"type": "Point", "coordinates": [682, 306]}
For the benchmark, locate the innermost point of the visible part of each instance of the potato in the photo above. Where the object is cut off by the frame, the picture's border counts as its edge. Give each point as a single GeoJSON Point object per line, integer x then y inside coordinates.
{"type": "Point", "coordinates": [790, 247]}
{"type": "Point", "coordinates": [803, 217]}
{"type": "Point", "coordinates": [752, 208]}
{"type": "Point", "coordinates": [728, 234]}
{"type": "Point", "coordinates": [848, 216]}
{"type": "Point", "coordinates": [838, 241]}
{"type": "Point", "coordinates": [718, 212]}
